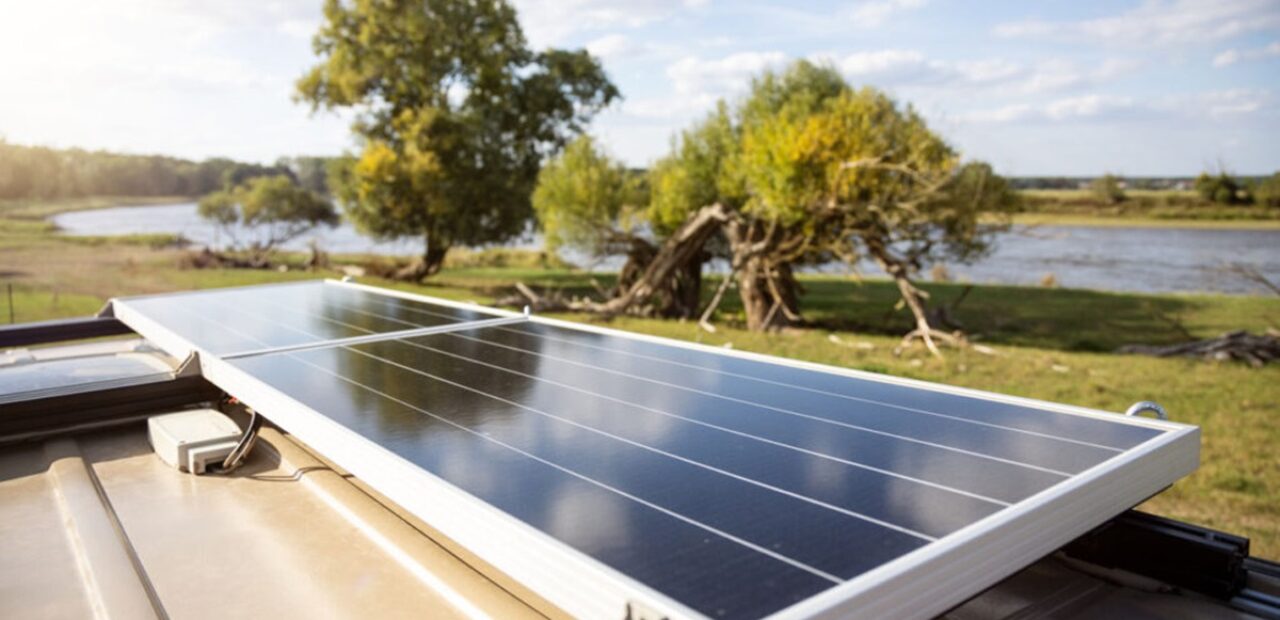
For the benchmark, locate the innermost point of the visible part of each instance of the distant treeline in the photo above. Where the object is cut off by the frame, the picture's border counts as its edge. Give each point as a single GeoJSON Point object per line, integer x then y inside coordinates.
{"type": "Point", "coordinates": [1184, 183]}
{"type": "Point", "coordinates": [42, 173]}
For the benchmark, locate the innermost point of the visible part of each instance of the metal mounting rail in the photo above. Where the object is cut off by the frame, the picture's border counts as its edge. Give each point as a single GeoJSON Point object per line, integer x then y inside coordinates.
{"type": "Point", "coordinates": [395, 335]}
{"type": "Point", "coordinates": [68, 408]}
{"type": "Point", "coordinates": [24, 334]}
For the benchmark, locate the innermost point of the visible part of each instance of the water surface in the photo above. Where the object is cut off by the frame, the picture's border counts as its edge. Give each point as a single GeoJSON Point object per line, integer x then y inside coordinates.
{"type": "Point", "coordinates": [1156, 260]}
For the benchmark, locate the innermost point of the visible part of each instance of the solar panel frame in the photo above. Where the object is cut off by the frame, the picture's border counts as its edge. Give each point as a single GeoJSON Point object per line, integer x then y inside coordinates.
{"type": "Point", "coordinates": [922, 583]}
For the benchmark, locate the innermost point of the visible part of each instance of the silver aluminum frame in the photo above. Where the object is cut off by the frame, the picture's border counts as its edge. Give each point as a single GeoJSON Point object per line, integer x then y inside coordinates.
{"type": "Point", "coordinates": [920, 584]}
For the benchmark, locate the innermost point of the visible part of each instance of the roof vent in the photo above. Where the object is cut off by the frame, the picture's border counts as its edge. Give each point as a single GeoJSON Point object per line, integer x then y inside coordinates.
{"type": "Point", "coordinates": [192, 440]}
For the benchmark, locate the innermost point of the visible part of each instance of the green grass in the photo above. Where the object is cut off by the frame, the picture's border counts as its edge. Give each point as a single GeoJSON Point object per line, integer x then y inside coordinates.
{"type": "Point", "coordinates": [1145, 208]}
{"type": "Point", "coordinates": [1052, 344]}
{"type": "Point", "coordinates": [1141, 221]}
{"type": "Point", "coordinates": [1051, 318]}
{"type": "Point", "coordinates": [23, 304]}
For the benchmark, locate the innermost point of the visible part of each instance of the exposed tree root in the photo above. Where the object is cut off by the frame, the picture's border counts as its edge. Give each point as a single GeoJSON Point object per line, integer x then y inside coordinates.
{"type": "Point", "coordinates": [931, 337]}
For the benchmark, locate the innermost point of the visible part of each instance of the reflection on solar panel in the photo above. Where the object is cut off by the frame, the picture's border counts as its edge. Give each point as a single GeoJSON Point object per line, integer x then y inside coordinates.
{"type": "Point", "coordinates": [614, 473]}
{"type": "Point", "coordinates": [243, 320]}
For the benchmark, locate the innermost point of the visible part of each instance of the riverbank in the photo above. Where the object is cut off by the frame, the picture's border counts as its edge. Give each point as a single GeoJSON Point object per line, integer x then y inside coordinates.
{"type": "Point", "coordinates": [1141, 209]}
{"type": "Point", "coordinates": [1140, 221]}
{"type": "Point", "coordinates": [1047, 343]}
{"type": "Point", "coordinates": [42, 209]}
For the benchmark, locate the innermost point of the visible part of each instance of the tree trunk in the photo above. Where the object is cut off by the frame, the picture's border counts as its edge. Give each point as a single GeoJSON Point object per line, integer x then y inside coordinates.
{"type": "Point", "coordinates": [680, 257]}
{"type": "Point", "coordinates": [640, 254]}
{"type": "Point", "coordinates": [425, 266]}
{"type": "Point", "coordinates": [684, 296]}
{"type": "Point", "coordinates": [754, 293]}
{"type": "Point", "coordinates": [677, 297]}
{"type": "Point", "coordinates": [769, 292]}
{"type": "Point", "coordinates": [770, 295]}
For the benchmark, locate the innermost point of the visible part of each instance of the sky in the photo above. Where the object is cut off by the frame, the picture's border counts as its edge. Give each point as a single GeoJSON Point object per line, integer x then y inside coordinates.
{"type": "Point", "coordinates": [1152, 87]}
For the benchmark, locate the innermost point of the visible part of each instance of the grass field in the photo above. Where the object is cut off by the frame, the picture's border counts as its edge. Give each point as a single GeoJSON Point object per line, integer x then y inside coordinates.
{"type": "Point", "coordinates": [1144, 208]}
{"type": "Point", "coordinates": [1051, 344]}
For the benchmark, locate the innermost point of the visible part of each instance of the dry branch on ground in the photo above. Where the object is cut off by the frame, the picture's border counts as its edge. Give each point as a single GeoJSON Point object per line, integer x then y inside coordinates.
{"type": "Point", "coordinates": [1257, 350]}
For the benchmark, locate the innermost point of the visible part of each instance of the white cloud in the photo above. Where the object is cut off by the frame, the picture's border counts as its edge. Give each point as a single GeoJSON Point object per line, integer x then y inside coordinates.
{"type": "Point", "coordinates": [1003, 114]}
{"type": "Point", "coordinates": [874, 12]}
{"type": "Point", "coordinates": [1052, 75]}
{"type": "Point", "coordinates": [1083, 108]}
{"type": "Point", "coordinates": [893, 63]}
{"type": "Point", "coordinates": [694, 76]}
{"type": "Point", "coordinates": [898, 67]}
{"type": "Point", "coordinates": [160, 76]}
{"type": "Point", "coordinates": [988, 71]}
{"type": "Point", "coordinates": [1184, 109]}
{"type": "Point", "coordinates": [1159, 22]}
{"type": "Point", "coordinates": [1060, 75]}
{"type": "Point", "coordinates": [1228, 103]}
{"type": "Point", "coordinates": [1232, 56]}
{"type": "Point", "coordinates": [698, 83]}
{"type": "Point", "coordinates": [1087, 106]}
{"type": "Point", "coordinates": [139, 43]}
{"type": "Point", "coordinates": [1227, 57]}
{"type": "Point", "coordinates": [550, 22]}
{"type": "Point", "coordinates": [673, 109]}
{"type": "Point", "coordinates": [798, 17]}
{"type": "Point", "coordinates": [612, 46]}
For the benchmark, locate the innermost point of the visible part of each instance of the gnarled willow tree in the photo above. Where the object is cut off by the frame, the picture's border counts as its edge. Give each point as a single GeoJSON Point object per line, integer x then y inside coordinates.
{"type": "Point", "coordinates": [455, 114]}
{"type": "Point", "coordinates": [807, 169]}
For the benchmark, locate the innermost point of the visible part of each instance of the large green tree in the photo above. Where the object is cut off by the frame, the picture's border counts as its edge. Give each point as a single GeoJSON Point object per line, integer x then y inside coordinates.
{"type": "Point", "coordinates": [865, 177]}
{"type": "Point", "coordinates": [806, 169]}
{"type": "Point", "coordinates": [455, 114]}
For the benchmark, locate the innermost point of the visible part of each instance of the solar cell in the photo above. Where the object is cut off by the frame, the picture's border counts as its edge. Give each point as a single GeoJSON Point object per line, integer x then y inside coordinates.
{"type": "Point", "coordinates": [677, 478]}
{"type": "Point", "coordinates": [237, 320]}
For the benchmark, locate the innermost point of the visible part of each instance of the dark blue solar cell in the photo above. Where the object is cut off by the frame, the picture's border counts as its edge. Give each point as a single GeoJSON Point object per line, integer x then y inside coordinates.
{"type": "Point", "coordinates": [484, 447]}
{"type": "Point", "coordinates": [236, 320]}
{"type": "Point", "coordinates": [675, 361]}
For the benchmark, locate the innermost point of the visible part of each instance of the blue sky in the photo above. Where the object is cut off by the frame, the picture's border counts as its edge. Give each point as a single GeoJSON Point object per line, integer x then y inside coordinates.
{"type": "Point", "coordinates": [1075, 88]}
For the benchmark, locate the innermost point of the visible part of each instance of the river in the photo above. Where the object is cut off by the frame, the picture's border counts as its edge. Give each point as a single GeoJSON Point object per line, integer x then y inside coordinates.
{"type": "Point", "coordinates": [1157, 260]}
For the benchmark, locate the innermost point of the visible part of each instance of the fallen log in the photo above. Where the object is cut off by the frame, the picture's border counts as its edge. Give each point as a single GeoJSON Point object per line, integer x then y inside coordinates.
{"type": "Point", "coordinates": [1257, 350]}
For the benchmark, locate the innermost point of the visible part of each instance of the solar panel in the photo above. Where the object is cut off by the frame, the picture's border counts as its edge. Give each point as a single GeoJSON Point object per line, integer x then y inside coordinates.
{"type": "Point", "coordinates": [614, 473]}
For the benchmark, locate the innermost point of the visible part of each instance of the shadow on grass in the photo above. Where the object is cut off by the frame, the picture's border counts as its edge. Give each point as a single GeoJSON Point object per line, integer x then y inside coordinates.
{"type": "Point", "coordinates": [1063, 319]}
{"type": "Point", "coordinates": [1052, 318]}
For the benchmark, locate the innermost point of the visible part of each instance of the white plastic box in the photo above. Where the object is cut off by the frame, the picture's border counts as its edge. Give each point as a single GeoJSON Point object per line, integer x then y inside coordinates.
{"type": "Point", "coordinates": [193, 440]}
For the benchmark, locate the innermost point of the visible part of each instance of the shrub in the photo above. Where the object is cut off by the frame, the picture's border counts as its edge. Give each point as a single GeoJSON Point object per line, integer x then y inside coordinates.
{"type": "Point", "coordinates": [1267, 193]}
{"type": "Point", "coordinates": [1107, 189]}
{"type": "Point", "coordinates": [1221, 188]}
